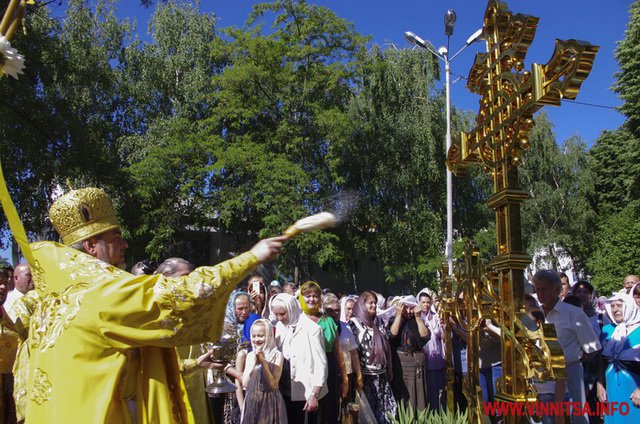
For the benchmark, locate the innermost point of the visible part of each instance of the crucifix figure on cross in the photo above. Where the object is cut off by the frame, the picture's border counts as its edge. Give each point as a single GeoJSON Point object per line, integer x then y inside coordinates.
{"type": "Point", "coordinates": [510, 97]}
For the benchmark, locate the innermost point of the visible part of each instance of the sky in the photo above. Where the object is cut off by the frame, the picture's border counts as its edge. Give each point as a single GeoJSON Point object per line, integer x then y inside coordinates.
{"type": "Point", "coordinates": [385, 21]}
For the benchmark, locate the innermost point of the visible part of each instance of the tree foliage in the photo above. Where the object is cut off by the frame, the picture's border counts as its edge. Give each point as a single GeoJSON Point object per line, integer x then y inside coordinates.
{"type": "Point", "coordinates": [627, 84]}
{"type": "Point", "coordinates": [248, 129]}
{"type": "Point", "coordinates": [558, 180]}
{"type": "Point", "coordinates": [167, 153]}
{"type": "Point", "coordinates": [615, 161]}
{"type": "Point", "coordinates": [59, 118]}
{"type": "Point", "coordinates": [393, 157]}
{"type": "Point", "coordinates": [616, 249]}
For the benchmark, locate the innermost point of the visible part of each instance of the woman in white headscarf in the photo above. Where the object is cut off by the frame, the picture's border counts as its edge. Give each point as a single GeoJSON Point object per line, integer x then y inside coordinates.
{"type": "Point", "coordinates": [263, 403]}
{"type": "Point", "coordinates": [408, 334]}
{"type": "Point", "coordinates": [304, 371]}
{"type": "Point", "coordinates": [346, 307]}
{"type": "Point", "coordinates": [621, 341]}
{"type": "Point", "coordinates": [386, 315]}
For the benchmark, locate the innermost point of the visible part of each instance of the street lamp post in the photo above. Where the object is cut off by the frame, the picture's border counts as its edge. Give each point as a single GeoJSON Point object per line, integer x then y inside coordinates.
{"type": "Point", "coordinates": [443, 55]}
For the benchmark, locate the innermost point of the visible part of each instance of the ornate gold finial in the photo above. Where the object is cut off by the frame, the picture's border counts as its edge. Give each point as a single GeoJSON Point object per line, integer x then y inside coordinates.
{"type": "Point", "coordinates": [81, 214]}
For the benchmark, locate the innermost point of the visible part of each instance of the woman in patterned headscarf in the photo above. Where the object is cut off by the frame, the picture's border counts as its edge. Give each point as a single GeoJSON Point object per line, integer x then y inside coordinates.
{"type": "Point", "coordinates": [621, 342]}
{"type": "Point", "coordinates": [264, 403]}
{"type": "Point", "coordinates": [304, 371]}
{"type": "Point", "coordinates": [237, 322]}
{"type": "Point", "coordinates": [375, 356]}
{"type": "Point", "coordinates": [238, 317]}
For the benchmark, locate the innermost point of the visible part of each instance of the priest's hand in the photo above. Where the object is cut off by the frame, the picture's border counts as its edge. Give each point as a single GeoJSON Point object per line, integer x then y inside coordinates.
{"type": "Point", "coordinates": [267, 249]}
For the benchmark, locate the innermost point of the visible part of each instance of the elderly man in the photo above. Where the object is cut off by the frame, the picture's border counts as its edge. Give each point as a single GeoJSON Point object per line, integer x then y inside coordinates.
{"type": "Point", "coordinates": [629, 281]}
{"type": "Point", "coordinates": [102, 347]}
{"type": "Point", "coordinates": [191, 359]}
{"type": "Point", "coordinates": [22, 284]}
{"type": "Point", "coordinates": [174, 267]}
{"type": "Point", "coordinates": [575, 335]}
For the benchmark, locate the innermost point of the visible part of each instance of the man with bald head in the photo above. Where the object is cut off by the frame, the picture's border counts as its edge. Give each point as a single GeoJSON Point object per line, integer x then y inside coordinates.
{"type": "Point", "coordinates": [630, 281]}
{"type": "Point", "coordinates": [22, 284]}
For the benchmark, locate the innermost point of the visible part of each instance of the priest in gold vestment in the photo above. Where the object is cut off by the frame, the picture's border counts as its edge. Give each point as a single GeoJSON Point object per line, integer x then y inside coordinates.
{"type": "Point", "coordinates": [101, 340]}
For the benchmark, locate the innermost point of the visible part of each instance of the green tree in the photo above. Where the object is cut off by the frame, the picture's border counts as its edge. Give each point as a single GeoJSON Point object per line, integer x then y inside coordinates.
{"type": "Point", "coordinates": [235, 130]}
{"type": "Point", "coordinates": [615, 164]}
{"type": "Point", "coordinates": [615, 161]}
{"type": "Point", "coordinates": [628, 57]}
{"type": "Point", "coordinates": [277, 105]}
{"type": "Point", "coordinates": [60, 117]}
{"type": "Point", "coordinates": [616, 249]}
{"type": "Point", "coordinates": [167, 153]}
{"type": "Point", "coordinates": [558, 179]}
{"type": "Point", "coordinates": [394, 159]}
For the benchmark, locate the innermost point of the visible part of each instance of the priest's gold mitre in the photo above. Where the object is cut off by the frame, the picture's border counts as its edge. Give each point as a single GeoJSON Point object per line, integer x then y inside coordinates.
{"type": "Point", "coordinates": [82, 214]}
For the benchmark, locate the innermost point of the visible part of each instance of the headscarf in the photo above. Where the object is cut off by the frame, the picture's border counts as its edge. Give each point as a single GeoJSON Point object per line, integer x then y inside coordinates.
{"type": "Point", "coordinates": [305, 308]}
{"type": "Point", "coordinates": [615, 347]}
{"type": "Point", "coordinates": [385, 315]}
{"type": "Point", "coordinates": [600, 305]}
{"type": "Point", "coordinates": [378, 342]}
{"type": "Point", "coordinates": [284, 332]}
{"type": "Point", "coordinates": [409, 300]}
{"type": "Point", "coordinates": [343, 304]}
{"type": "Point", "coordinates": [590, 308]}
{"type": "Point", "coordinates": [242, 329]}
{"type": "Point", "coordinates": [269, 348]}
{"type": "Point", "coordinates": [230, 317]}
{"type": "Point", "coordinates": [427, 291]}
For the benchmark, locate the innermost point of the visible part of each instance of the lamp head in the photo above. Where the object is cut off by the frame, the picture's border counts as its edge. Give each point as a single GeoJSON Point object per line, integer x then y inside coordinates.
{"type": "Point", "coordinates": [449, 21]}
{"type": "Point", "coordinates": [414, 39]}
{"type": "Point", "coordinates": [475, 36]}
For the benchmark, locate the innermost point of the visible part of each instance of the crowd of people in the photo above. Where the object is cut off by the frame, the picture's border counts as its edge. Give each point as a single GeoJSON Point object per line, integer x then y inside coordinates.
{"type": "Point", "coordinates": [305, 354]}
{"type": "Point", "coordinates": [96, 344]}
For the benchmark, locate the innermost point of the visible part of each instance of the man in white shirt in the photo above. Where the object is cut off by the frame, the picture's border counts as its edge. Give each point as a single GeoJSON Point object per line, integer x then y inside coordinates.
{"type": "Point", "coordinates": [22, 284]}
{"type": "Point", "coordinates": [575, 335]}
